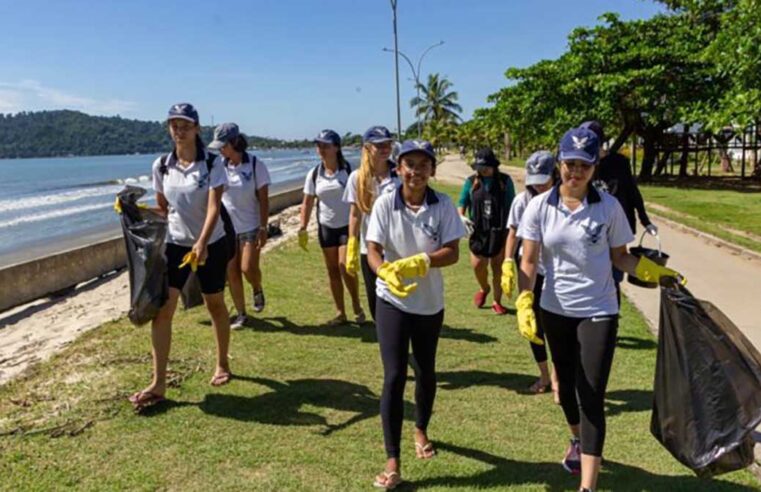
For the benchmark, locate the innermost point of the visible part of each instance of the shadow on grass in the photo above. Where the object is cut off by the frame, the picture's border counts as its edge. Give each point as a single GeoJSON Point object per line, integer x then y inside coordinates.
{"type": "Point", "coordinates": [633, 343]}
{"type": "Point", "coordinates": [364, 332]}
{"type": "Point", "coordinates": [455, 380]}
{"type": "Point", "coordinates": [625, 401]}
{"type": "Point", "coordinates": [505, 472]}
{"type": "Point", "coordinates": [283, 405]}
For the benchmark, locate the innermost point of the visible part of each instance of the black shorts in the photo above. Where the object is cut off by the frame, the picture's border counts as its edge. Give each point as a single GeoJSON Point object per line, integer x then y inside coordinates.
{"type": "Point", "coordinates": [332, 238]}
{"type": "Point", "coordinates": [487, 243]}
{"type": "Point", "coordinates": [211, 275]}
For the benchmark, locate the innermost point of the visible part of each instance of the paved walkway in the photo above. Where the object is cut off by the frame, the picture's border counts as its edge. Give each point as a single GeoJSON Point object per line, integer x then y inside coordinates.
{"type": "Point", "coordinates": [732, 282]}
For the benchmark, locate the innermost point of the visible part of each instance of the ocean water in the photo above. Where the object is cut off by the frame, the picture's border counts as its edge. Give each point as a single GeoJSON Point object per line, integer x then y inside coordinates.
{"type": "Point", "coordinates": [44, 200]}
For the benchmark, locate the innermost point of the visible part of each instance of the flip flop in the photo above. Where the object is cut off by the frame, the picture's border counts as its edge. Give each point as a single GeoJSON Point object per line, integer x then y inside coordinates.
{"type": "Point", "coordinates": [538, 388]}
{"type": "Point", "coordinates": [144, 399]}
{"type": "Point", "coordinates": [221, 379]}
{"type": "Point", "coordinates": [424, 451]}
{"type": "Point", "coordinates": [390, 480]}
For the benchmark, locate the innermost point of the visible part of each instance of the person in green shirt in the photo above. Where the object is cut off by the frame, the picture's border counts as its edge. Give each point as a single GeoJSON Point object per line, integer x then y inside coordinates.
{"type": "Point", "coordinates": [484, 206]}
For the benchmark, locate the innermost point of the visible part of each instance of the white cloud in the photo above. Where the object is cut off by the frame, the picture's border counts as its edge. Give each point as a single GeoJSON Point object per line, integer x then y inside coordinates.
{"type": "Point", "coordinates": [31, 95]}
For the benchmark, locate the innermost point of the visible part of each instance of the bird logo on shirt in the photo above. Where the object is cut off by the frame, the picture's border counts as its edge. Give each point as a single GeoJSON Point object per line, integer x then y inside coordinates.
{"type": "Point", "coordinates": [203, 180]}
{"type": "Point", "coordinates": [431, 232]}
{"type": "Point", "coordinates": [579, 143]}
{"type": "Point", "coordinates": [593, 233]}
{"type": "Point", "coordinates": [247, 175]}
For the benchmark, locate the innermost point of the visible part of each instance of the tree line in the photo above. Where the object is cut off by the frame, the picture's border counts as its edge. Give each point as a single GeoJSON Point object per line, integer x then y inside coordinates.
{"type": "Point", "coordinates": [700, 61]}
{"type": "Point", "coordinates": [67, 133]}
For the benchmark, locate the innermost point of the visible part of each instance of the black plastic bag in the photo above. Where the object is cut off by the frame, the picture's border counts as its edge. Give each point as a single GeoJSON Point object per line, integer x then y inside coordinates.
{"type": "Point", "coordinates": [191, 294]}
{"type": "Point", "coordinates": [707, 386]}
{"type": "Point", "coordinates": [144, 236]}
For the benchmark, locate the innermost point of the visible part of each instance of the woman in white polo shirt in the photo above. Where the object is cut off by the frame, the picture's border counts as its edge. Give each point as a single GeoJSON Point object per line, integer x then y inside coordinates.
{"type": "Point", "coordinates": [326, 184]}
{"type": "Point", "coordinates": [580, 233]}
{"type": "Point", "coordinates": [376, 176]}
{"type": "Point", "coordinates": [540, 173]}
{"type": "Point", "coordinates": [246, 200]}
{"type": "Point", "coordinates": [413, 233]}
{"type": "Point", "coordinates": [189, 189]}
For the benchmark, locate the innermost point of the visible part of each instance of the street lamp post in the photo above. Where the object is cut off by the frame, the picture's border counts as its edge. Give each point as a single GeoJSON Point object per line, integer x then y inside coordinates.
{"type": "Point", "coordinates": [416, 76]}
{"type": "Point", "coordinates": [396, 70]}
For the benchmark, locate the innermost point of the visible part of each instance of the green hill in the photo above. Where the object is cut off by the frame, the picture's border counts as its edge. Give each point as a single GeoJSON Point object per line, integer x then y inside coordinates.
{"type": "Point", "coordinates": [65, 132]}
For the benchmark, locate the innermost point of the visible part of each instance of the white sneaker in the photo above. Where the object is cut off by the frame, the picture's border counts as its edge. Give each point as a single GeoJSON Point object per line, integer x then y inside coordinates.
{"type": "Point", "coordinates": [239, 322]}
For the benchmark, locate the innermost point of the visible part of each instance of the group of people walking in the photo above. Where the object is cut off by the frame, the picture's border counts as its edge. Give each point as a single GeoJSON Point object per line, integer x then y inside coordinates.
{"type": "Point", "coordinates": [560, 246]}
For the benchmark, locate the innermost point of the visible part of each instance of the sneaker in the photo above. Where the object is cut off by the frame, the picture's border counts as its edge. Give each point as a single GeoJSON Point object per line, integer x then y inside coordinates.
{"type": "Point", "coordinates": [572, 460]}
{"type": "Point", "coordinates": [239, 322]}
{"type": "Point", "coordinates": [480, 298]}
{"type": "Point", "coordinates": [498, 308]}
{"type": "Point", "coordinates": [259, 301]}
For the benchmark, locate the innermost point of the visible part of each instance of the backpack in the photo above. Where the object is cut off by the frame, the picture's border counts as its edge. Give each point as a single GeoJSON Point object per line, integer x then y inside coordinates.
{"type": "Point", "coordinates": [344, 166]}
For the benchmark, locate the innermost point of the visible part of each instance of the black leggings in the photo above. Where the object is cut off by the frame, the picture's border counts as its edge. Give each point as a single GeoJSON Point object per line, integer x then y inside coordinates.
{"type": "Point", "coordinates": [582, 351]}
{"type": "Point", "coordinates": [396, 329]}
{"type": "Point", "coordinates": [539, 351]}
{"type": "Point", "coordinates": [369, 277]}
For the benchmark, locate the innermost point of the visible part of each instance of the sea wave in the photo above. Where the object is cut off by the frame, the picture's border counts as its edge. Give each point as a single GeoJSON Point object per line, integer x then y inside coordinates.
{"type": "Point", "coordinates": [79, 192]}
{"type": "Point", "coordinates": [53, 214]}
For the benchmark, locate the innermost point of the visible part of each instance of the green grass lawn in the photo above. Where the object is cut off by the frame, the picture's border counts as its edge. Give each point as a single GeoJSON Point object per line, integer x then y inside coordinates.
{"type": "Point", "coordinates": [302, 413]}
{"type": "Point", "coordinates": [712, 211]}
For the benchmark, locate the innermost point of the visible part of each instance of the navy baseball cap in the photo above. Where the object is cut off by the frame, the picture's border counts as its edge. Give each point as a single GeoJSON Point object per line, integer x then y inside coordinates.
{"type": "Point", "coordinates": [581, 144]}
{"type": "Point", "coordinates": [328, 137]}
{"type": "Point", "coordinates": [224, 133]}
{"type": "Point", "coordinates": [596, 127]}
{"type": "Point", "coordinates": [183, 111]}
{"type": "Point", "coordinates": [377, 134]}
{"type": "Point", "coordinates": [424, 146]}
{"type": "Point", "coordinates": [485, 158]}
{"type": "Point", "coordinates": [539, 167]}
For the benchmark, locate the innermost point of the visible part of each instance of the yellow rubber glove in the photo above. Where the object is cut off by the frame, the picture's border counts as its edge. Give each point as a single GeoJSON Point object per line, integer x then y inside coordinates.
{"type": "Point", "coordinates": [649, 271]}
{"type": "Point", "coordinates": [526, 317]}
{"type": "Point", "coordinates": [509, 277]}
{"type": "Point", "coordinates": [191, 259]}
{"type": "Point", "coordinates": [118, 206]}
{"type": "Point", "coordinates": [303, 239]}
{"type": "Point", "coordinates": [352, 256]}
{"type": "Point", "coordinates": [413, 266]}
{"type": "Point", "coordinates": [389, 274]}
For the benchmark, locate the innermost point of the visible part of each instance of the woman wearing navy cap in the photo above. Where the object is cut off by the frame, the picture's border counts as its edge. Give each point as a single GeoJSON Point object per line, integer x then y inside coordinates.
{"type": "Point", "coordinates": [326, 184]}
{"type": "Point", "coordinates": [413, 232]}
{"type": "Point", "coordinates": [246, 199]}
{"type": "Point", "coordinates": [484, 204]}
{"type": "Point", "coordinates": [189, 189]}
{"type": "Point", "coordinates": [376, 176]}
{"type": "Point", "coordinates": [580, 233]}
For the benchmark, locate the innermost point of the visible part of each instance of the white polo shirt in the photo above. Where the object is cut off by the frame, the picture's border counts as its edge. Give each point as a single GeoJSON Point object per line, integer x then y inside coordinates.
{"type": "Point", "coordinates": [402, 232]}
{"type": "Point", "coordinates": [517, 209]}
{"type": "Point", "coordinates": [240, 197]}
{"type": "Point", "coordinates": [332, 211]}
{"type": "Point", "coordinates": [187, 192]}
{"type": "Point", "coordinates": [576, 251]}
{"type": "Point", "coordinates": [387, 185]}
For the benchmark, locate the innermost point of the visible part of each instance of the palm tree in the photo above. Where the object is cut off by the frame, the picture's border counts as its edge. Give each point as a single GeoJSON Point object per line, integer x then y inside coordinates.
{"type": "Point", "coordinates": [437, 101]}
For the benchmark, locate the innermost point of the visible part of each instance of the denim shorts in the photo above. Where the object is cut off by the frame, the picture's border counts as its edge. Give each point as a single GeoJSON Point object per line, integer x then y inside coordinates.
{"type": "Point", "coordinates": [249, 237]}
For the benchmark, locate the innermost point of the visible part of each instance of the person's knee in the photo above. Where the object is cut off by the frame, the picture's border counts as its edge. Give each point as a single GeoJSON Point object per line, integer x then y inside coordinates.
{"type": "Point", "coordinates": [215, 303]}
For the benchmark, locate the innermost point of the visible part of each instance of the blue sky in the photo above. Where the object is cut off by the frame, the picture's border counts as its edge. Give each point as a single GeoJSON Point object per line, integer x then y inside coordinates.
{"type": "Point", "coordinates": [281, 68]}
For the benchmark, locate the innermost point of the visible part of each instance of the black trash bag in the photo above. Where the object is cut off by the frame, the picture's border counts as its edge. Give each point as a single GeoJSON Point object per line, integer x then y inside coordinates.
{"type": "Point", "coordinates": [191, 294]}
{"type": "Point", "coordinates": [144, 236]}
{"type": "Point", "coordinates": [707, 391]}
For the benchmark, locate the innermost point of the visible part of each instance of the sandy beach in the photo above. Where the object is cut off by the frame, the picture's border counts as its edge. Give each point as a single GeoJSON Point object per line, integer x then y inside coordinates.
{"type": "Point", "coordinates": [33, 332]}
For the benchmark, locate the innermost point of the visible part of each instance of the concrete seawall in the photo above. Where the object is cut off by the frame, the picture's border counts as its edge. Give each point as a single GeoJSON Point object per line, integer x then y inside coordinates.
{"type": "Point", "coordinates": [38, 277]}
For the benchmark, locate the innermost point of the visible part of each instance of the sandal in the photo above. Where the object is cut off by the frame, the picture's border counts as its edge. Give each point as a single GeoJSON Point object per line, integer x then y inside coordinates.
{"type": "Point", "coordinates": [339, 320]}
{"type": "Point", "coordinates": [144, 399]}
{"type": "Point", "coordinates": [361, 317]}
{"type": "Point", "coordinates": [424, 451]}
{"type": "Point", "coordinates": [387, 480]}
{"type": "Point", "coordinates": [538, 388]}
{"type": "Point", "coordinates": [221, 379]}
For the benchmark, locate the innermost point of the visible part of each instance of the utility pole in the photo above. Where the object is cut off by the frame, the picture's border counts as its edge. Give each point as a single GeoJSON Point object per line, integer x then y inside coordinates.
{"type": "Point", "coordinates": [396, 70]}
